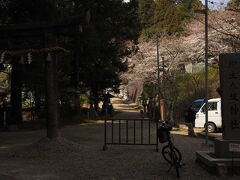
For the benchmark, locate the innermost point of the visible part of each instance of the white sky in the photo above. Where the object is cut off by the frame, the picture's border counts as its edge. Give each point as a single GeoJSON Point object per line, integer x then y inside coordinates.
{"type": "Point", "coordinates": [203, 1]}
{"type": "Point", "coordinates": [216, 4]}
{"type": "Point", "coordinates": [216, 1]}
{"type": "Point", "coordinates": [213, 4]}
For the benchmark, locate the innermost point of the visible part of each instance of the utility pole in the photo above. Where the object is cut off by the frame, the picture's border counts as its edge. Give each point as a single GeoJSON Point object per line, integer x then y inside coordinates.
{"type": "Point", "coordinates": [163, 76]}
{"type": "Point", "coordinates": [158, 75]}
{"type": "Point", "coordinates": [206, 69]}
{"type": "Point", "coordinates": [205, 12]}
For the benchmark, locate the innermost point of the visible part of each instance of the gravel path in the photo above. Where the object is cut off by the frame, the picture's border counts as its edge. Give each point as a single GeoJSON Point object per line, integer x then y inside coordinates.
{"type": "Point", "coordinates": [79, 155]}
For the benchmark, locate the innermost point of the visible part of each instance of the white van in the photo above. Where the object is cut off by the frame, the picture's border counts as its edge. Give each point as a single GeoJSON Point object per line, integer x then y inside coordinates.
{"type": "Point", "coordinates": [214, 115]}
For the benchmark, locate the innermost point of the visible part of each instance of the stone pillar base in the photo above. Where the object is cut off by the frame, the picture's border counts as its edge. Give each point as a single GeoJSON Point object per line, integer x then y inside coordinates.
{"type": "Point", "coordinates": [222, 148]}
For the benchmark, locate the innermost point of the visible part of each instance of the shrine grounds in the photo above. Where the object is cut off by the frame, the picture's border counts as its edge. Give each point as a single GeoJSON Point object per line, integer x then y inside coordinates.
{"type": "Point", "coordinates": [79, 155]}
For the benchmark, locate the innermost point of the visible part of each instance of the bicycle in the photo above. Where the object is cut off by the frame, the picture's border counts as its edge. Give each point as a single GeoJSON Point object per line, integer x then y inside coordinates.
{"type": "Point", "coordinates": [169, 152]}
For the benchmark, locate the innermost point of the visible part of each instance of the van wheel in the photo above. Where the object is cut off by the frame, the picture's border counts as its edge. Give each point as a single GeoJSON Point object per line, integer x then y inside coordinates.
{"type": "Point", "coordinates": [211, 127]}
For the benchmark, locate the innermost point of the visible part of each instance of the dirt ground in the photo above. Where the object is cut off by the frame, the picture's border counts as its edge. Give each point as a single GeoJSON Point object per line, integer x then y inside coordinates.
{"type": "Point", "coordinates": [79, 155]}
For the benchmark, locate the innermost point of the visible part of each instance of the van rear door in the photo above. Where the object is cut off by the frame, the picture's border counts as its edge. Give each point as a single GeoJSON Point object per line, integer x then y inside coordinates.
{"type": "Point", "coordinates": [214, 113]}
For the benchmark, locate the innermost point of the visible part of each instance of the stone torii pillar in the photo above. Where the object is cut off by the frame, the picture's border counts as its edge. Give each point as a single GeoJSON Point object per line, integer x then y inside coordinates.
{"type": "Point", "coordinates": [51, 88]}
{"type": "Point", "coordinates": [51, 85]}
{"type": "Point", "coordinates": [51, 96]}
{"type": "Point", "coordinates": [46, 35]}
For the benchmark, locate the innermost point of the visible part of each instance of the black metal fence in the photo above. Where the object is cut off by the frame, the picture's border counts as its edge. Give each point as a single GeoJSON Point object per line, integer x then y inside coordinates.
{"type": "Point", "coordinates": [141, 131]}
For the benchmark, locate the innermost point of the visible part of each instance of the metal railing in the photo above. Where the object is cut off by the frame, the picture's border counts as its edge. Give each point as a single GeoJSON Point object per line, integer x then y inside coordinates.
{"type": "Point", "coordinates": [137, 131]}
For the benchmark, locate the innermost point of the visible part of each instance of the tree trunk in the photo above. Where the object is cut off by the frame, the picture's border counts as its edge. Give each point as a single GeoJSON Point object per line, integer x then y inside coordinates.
{"type": "Point", "coordinates": [52, 98]}
{"type": "Point", "coordinates": [76, 78]}
{"type": "Point", "coordinates": [37, 99]}
{"type": "Point", "coordinates": [16, 96]}
{"type": "Point", "coordinates": [191, 130]}
{"type": "Point", "coordinates": [96, 106]}
{"type": "Point", "coordinates": [96, 98]}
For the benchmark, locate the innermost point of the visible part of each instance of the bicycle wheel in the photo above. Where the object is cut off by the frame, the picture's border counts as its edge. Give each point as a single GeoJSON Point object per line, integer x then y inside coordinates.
{"type": "Point", "coordinates": [176, 163]}
{"type": "Point", "coordinates": [166, 153]}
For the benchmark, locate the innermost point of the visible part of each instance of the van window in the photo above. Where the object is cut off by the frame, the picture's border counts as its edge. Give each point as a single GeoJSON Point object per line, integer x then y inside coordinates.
{"type": "Point", "coordinates": [196, 105]}
{"type": "Point", "coordinates": [212, 106]}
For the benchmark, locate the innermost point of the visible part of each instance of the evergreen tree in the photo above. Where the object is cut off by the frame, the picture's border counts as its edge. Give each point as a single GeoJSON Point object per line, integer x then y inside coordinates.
{"type": "Point", "coordinates": [166, 19]}
{"type": "Point", "coordinates": [103, 45]}
{"type": "Point", "coordinates": [3, 11]}
{"type": "Point", "coordinates": [19, 12]}
{"type": "Point", "coordinates": [131, 22]}
{"type": "Point", "coordinates": [146, 13]}
{"type": "Point", "coordinates": [99, 45]}
{"type": "Point", "coordinates": [170, 15]}
{"type": "Point", "coordinates": [31, 11]}
{"type": "Point", "coordinates": [234, 4]}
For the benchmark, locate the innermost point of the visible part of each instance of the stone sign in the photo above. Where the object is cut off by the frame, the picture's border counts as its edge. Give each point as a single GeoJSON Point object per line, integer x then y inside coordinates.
{"type": "Point", "coordinates": [230, 95]}
{"type": "Point", "coordinates": [234, 147]}
{"type": "Point", "coordinates": [227, 148]}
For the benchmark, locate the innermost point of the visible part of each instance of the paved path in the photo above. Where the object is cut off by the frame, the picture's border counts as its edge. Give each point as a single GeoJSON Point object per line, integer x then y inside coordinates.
{"type": "Point", "coordinates": [5, 177]}
{"type": "Point", "coordinates": [90, 161]}
{"type": "Point", "coordinates": [125, 109]}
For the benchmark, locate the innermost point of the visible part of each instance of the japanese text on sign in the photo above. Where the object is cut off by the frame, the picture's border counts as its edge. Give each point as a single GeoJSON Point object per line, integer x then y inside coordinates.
{"type": "Point", "coordinates": [234, 95]}
{"type": "Point", "coordinates": [234, 147]}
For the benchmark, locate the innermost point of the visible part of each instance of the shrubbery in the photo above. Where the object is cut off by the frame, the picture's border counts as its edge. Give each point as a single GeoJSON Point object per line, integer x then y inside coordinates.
{"type": "Point", "coordinates": [180, 89]}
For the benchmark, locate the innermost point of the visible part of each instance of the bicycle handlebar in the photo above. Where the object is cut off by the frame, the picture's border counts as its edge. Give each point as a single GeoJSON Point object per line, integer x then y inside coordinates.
{"type": "Point", "coordinates": [166, 126]}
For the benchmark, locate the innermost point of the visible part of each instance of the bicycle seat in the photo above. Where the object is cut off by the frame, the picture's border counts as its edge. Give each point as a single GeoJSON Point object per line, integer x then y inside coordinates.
{"type": "Point", "coordinates": [165, 127]}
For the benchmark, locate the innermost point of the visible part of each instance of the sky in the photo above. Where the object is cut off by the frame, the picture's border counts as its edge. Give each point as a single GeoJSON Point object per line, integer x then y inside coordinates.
{"type": "Point", "coordinates": [213, 4]}
{"type": "Point", "coordinates": [216, 4]}
{"type": "Point", "coordinates": [216, 1]}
